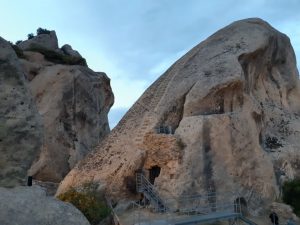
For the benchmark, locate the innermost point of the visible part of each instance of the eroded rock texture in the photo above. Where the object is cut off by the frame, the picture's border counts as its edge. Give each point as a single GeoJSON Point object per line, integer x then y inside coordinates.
{"type": "Point", "coordinates": [233, 104]}
{"type": "Point", "coordinates": [50, 102]}
{"type": "Point", "coordinates": [73, 101]}
{"type": "Point", "coordinates": [30, 205]}
{"type": "Point", "coordinates": [20, 123]}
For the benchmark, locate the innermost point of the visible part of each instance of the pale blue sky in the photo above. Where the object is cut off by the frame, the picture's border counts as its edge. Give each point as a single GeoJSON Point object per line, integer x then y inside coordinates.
{"type": "Point", "coordinates": [135, 41]}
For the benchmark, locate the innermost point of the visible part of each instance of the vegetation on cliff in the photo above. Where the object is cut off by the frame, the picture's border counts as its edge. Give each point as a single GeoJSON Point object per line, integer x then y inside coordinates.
{"type": "Point", "coordinates": [291, 195]}
{"type": "Point", "coordinates": [89, 201]}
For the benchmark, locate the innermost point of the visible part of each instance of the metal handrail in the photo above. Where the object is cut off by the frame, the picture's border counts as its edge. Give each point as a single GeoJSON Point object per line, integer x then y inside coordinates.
{"type": "Point", "coordinates": [143, 185]}
{"type": "Point", "coordinates": [201, 209]}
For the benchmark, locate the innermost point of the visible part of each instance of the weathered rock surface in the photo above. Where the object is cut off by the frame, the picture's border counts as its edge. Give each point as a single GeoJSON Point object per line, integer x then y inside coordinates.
{"type": "Point", "coordinates": [53, 88]}
{"type": "Point", "coordinates": [67, 49]}
{"type": "Point", "coordinates": [284, 212]}
{"type": "Point", "coordinates": [233, 104]}
{"type": "Point", "coordinates": [20, 123]}
{"type": "Point", "coordinates": [48, 41]}
{"type": "Point", "coordinates": [30, 205]}
{"type": "Point", "coordinates": [74, 102]}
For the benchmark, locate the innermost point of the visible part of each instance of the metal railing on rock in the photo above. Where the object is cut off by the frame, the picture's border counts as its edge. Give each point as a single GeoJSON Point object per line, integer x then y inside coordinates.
{"type": "Point", "coordinates": [193, 209]}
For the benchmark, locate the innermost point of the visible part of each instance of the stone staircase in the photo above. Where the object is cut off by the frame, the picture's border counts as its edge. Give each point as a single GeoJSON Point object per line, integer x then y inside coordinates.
{"type": "Point", "coordinates": [150, 118]}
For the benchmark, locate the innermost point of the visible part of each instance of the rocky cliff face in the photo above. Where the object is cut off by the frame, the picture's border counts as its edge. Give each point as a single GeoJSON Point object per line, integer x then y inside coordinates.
{"type": "Point", "coordinates": [231, 109]}
{"type": "Point", "coordinates": [70, 100]}
{"type": "Point", "coordinates": [20, 124]}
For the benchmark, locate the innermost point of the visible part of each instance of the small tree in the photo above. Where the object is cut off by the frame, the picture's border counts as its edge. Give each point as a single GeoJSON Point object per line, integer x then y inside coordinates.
{"type": "Point", "coordinates": [42, 31]}
{"type": "Point", "coordinates": [18, 42]}
{"type": "Point", "coordinates": [30, 36]}
{"type": "Point", "coordinates": [291, 194]}
{"type": "Point", "coordinates": [89, 201]}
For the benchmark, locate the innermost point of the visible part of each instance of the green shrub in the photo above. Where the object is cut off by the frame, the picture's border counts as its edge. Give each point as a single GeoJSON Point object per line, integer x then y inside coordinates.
{"type": "Point", "coordinates": [30, 36]}
{"type": "Point", "coordinates": [291, 194]}
{"type": "Point", "coordinates": [57, 57]}
{"type": "Point", "coordinates": [89, 201]}
{"type": "Point", "coordinates": [42, 31]}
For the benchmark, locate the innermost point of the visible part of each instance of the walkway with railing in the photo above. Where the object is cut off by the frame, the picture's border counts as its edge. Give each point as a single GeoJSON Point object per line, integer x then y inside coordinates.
{"type": "Point", "coordinates": [191, 209]}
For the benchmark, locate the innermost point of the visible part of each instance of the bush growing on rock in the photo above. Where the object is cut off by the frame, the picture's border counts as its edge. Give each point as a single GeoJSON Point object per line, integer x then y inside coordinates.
{"type": "Point", "coordinates": [42, 31]}
{"type": "Point", "coordinates": [291, 194]}
{"type": "Point", "coordinates": [30, 36]}
{"type": "Point", "coordinates": [89, 201]}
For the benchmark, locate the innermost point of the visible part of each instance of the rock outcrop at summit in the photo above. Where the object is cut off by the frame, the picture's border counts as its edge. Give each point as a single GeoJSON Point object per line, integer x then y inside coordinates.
{"type": "Point", "coordinates": [20, 123]}
{"type": "Point", "coordinates": [48, 41]}
{"type": "Point", "coordinates": [224, 117]}
{"type": "Point", "coordinates": [53, 107]}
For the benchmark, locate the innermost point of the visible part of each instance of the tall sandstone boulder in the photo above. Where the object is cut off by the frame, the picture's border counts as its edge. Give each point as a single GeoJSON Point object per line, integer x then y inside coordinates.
{"type": "Point", "coordinates": [232, 107]}
{"type": "Point", "coordinates": [73, 101]}
{"type": "Point", "coordinates": [20, 123]}
{"type": "Point", "coordinates": [53, 109]}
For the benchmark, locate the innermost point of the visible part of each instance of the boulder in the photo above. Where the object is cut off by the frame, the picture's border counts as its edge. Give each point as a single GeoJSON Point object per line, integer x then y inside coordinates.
{"type": "Point", "coordinates": [48, 41]}
{"type": "Point", "coordinates": [222, 119]}
{"type": "Point", "coordinates": [30, 205]}
{"type": "Point", "coordinates": [53, 110]}
{"type": "Point", "coordinates": [74, 102]}
{"type": "Point", "coordinates": [20, 123]}
{"type": "Point", "coordinates": [68, 50]}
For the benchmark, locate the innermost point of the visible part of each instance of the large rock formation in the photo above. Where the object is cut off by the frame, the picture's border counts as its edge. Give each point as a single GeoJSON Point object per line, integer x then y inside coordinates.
{"type": "Point", "coordinates": [73, 101]}
{"type": "Point", "coordinates": [69, 99]}
{"type": "Point", "coordinates": [20, 123]}
{"type": "Point", "coordinates": [233, 105]}
{"type": "Point", "coordinates": [30, 205]}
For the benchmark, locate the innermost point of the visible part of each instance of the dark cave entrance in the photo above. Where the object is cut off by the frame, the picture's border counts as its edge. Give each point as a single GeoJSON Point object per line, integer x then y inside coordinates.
{"type": "Point", "coordinates": [241, 205]}
{"type": "Point", "coordinates": [153, 173]}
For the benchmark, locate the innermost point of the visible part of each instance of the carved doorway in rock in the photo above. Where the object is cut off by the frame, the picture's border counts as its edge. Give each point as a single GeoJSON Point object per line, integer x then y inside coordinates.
{"type": "Point", "coordinates": [241, 206]}
{"type": "Point", "coordinates": [154, 172]}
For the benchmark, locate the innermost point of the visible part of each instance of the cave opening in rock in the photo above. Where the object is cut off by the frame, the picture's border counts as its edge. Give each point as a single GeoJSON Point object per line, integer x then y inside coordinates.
{"type": "Point", "coordinates": [241, 205]}
{"type": "Point", "coordinates": [154, 172]}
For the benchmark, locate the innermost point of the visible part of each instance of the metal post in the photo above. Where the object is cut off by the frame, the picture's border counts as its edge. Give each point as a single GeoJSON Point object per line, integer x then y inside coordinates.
{"type": "Point", "coordinates": [29, 181]}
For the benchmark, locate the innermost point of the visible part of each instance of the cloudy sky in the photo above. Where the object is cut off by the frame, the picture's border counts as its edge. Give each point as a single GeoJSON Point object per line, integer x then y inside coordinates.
{"type": "Point", "coordinates": [135, 41]}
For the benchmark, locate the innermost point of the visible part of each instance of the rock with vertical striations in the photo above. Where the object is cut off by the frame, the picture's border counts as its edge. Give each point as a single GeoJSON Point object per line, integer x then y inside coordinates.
{"type": "Point", "coordinates": [20, 123]}
{"type": "Point", "coordinates": [47, 86]}
{"type": "Point", "coordinates": [74, 102]}
{"type": "Point", "coordinates": [223, 118]}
